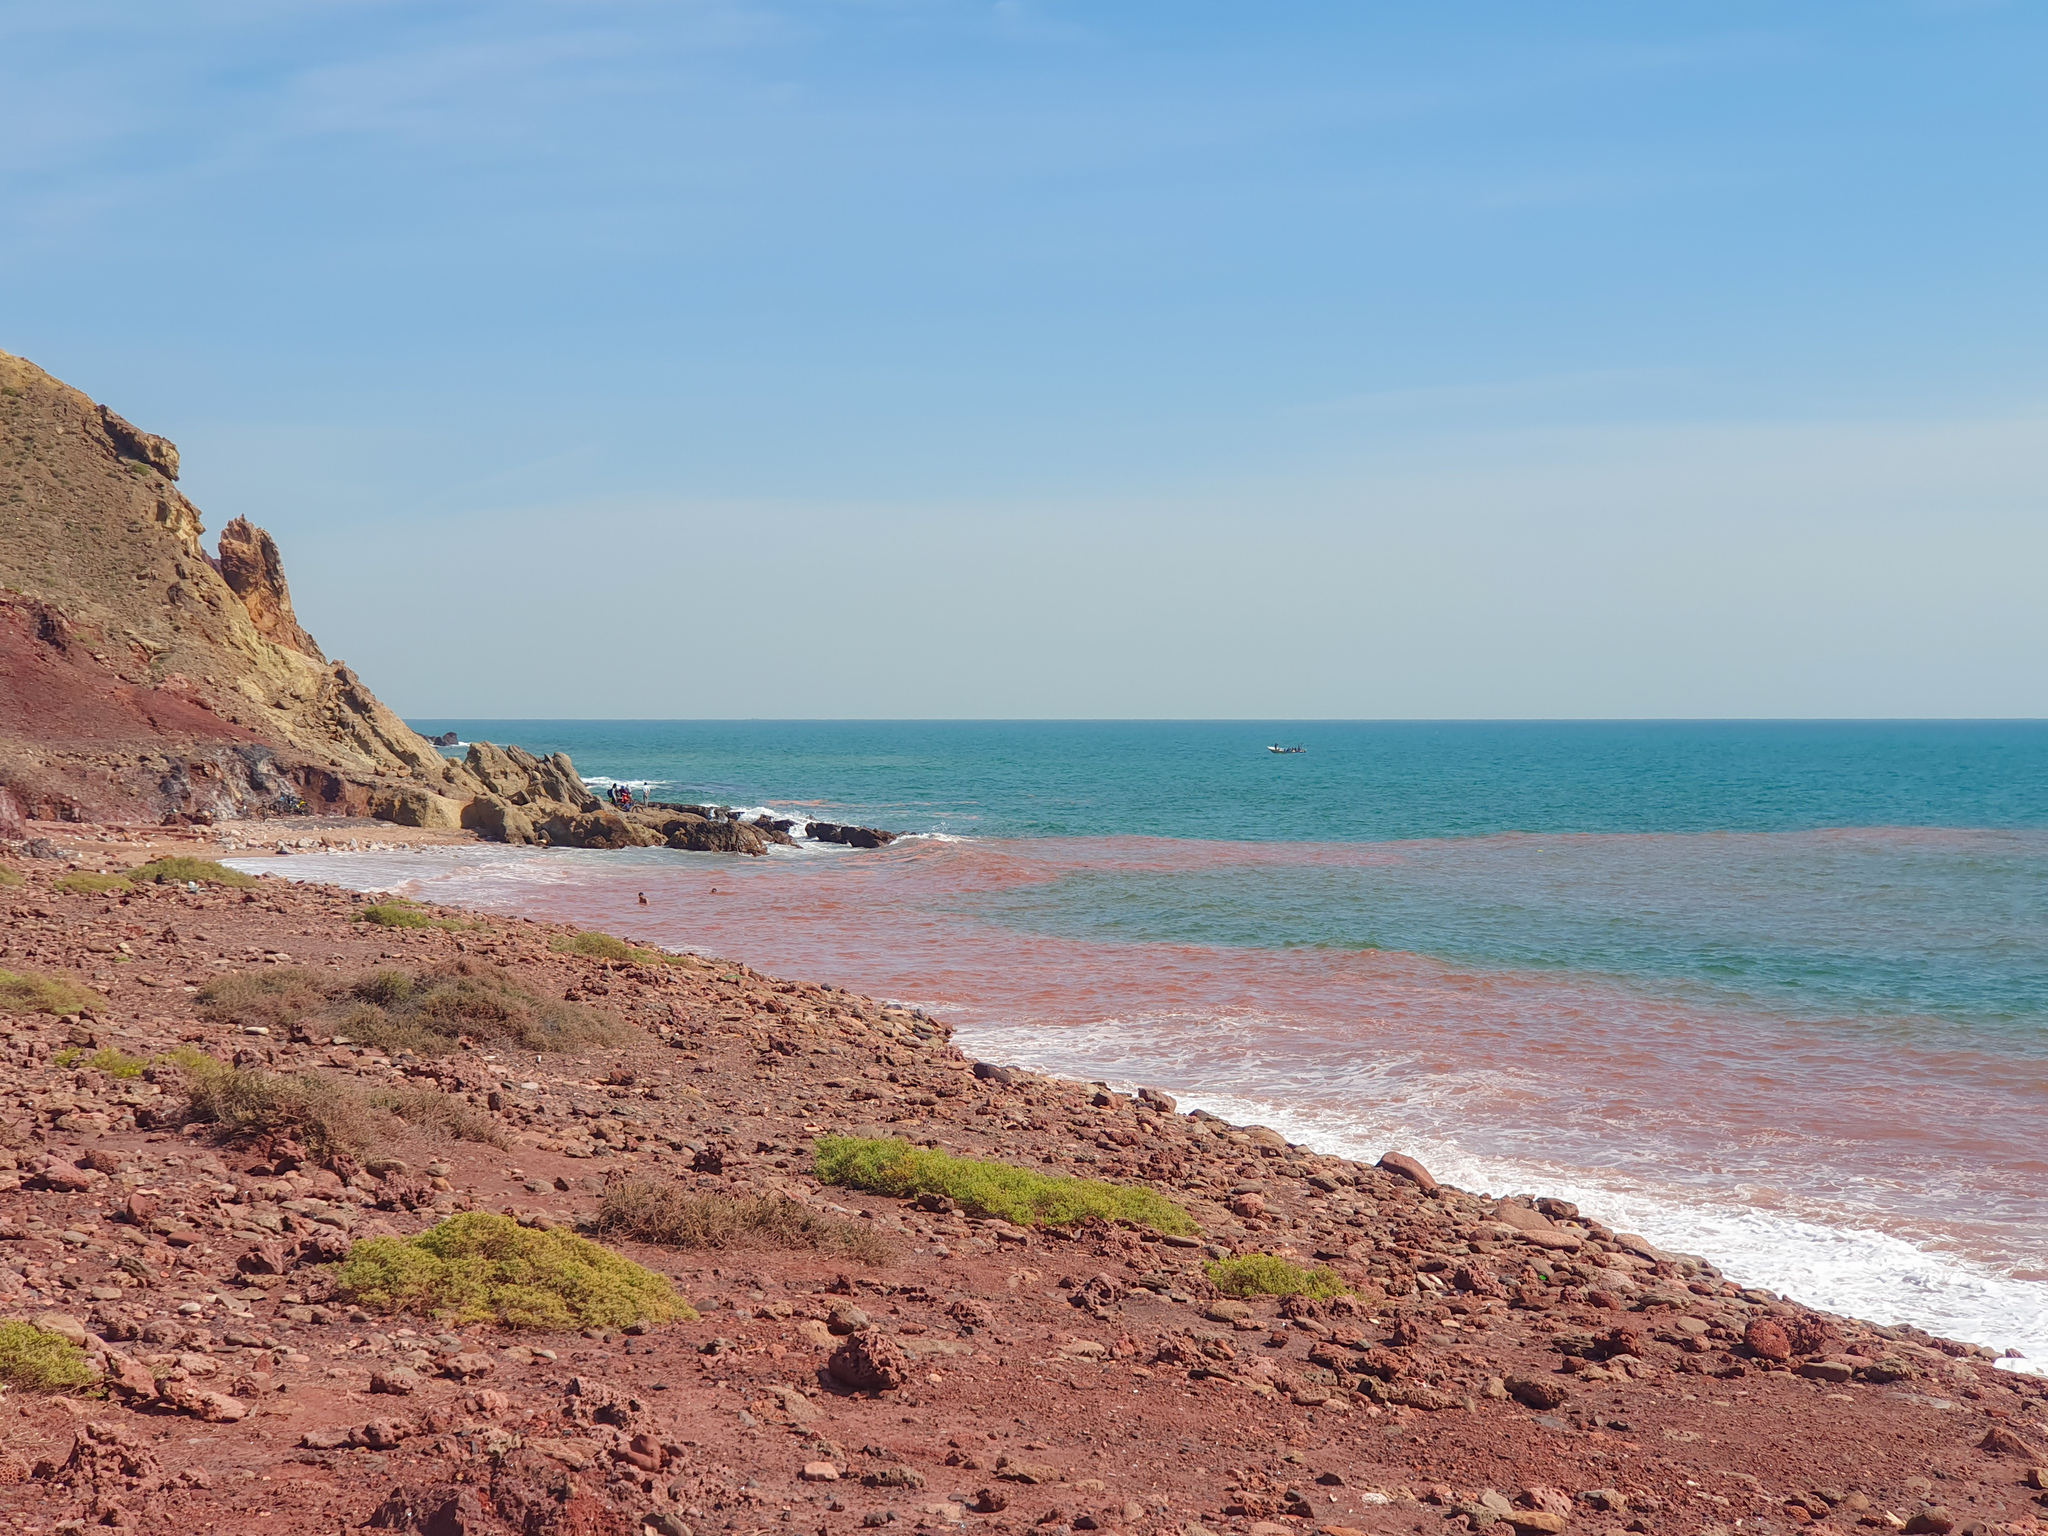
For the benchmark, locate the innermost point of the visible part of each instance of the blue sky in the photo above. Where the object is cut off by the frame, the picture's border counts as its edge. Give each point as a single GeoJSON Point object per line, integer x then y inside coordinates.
{"type": "Point", "coordinates": [906, 357]}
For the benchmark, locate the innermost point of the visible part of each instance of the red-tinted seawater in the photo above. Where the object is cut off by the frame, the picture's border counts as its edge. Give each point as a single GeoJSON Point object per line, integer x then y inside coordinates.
{"type": "Point", "coordinates": [1812, 1056]}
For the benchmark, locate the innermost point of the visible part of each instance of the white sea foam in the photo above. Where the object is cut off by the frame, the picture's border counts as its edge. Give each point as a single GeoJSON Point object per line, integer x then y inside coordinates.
{"type": "Point", "coordinates": [1847, 1269]}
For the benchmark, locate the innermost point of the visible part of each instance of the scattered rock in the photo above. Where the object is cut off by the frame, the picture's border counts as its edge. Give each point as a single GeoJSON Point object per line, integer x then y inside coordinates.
{"type": "Point", "coordinates": [1408, 1168]}
{"type": "Point", "coordinates": [1540, 1392]}
{"type": "Point", "coordinates": [1767, 1339]}
{"type": "Point", "coordinates": [213, 1407]}
{"type": "Point", "coordinates": [1028, 1471]}
{"type": "Point", "coordinates": [380, 1434]}
{"type": "Point", "coordinates": [2001, 1441]}
{"type": "Point", "coordinates": [1836, 1371]}
{"type": "Point", "coordinates": [869, 1361]}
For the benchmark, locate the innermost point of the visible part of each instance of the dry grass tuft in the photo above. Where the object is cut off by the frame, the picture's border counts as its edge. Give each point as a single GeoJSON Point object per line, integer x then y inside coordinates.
{"type": "Point", "coordinates": [431, 1012]}
{"type": "Point", "coordinates": [247, 1102]}
{"type": "Point", "coordinates": [275, 997]}
{"type": "Point", "coordinates": [673, 1217]}
{"type": "Point", "coordinates": [442, 1114]}
{"type": "Point", "coordinates": [428, 1013]}
{"type": "Point", "coordinates": [602, 946]}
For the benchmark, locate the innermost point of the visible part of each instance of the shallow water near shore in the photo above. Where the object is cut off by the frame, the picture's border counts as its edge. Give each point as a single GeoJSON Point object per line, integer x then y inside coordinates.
{"type": "Point", "coordinates": [1775, 994]}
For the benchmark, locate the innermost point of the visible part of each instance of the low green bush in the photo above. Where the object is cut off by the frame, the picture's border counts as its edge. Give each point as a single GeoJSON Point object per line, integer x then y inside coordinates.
{"type": "Point", "coordinates": [179, 869]}
{"type": "Point", "coordinates": [26, 992]}
{"type": "Point", "coordinates": [602, 946]}
{"type": "Point", "coordinates": [394, 914]}
{"type": "Point", "coordinates": [1020, 1195]}
{"type": "Point", "coordinates": [8, 878]}
{"type": "Point", "coordinates": [599, 946]}
{"type": "Point", "coordinates": [38, 1361]}
{"type": "Point", "coordinates": [476, 1268]}
{"type": "Point", "coordinates": [1266, 1274]}
{"type": "Point", "coordinates": [108, 1060]}
{"type": "Point", "coordinates": [85, 883]}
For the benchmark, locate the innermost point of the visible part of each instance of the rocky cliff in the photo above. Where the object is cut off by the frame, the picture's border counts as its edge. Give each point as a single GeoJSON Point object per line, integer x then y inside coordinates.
{"type": "Point", "coordinates": [140, 676]}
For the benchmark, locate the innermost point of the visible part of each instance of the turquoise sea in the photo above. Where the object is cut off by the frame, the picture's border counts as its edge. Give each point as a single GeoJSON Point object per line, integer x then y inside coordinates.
{"type": "Point", "coordinates": [1777, 992]}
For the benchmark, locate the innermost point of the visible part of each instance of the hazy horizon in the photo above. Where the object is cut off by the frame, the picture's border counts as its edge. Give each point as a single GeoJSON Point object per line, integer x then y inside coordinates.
{"type": "Point", "coordinates": [934, 359]}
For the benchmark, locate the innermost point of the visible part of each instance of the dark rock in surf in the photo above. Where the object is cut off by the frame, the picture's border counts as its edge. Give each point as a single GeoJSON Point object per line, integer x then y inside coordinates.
{"type": "Point", "coordinates": [851, 837]}
{"type": "Point", "coordinates": [694, 834]}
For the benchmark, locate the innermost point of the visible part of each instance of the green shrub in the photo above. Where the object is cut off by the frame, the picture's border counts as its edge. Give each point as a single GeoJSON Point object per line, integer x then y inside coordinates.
{"type": "Point", "coordinates": [36, 1361]}
{"type": "Point", "coordinates": [652, 1211]}
{"type": "Point", "coordinates": [108, 1060]}
{"type": "Point", "coordinates": [477, 1268]}
{"type": "Point", "coordinates": [24, 992]}
{"type": "Point", "coordinates": [602, 946]}
{"type": "Point", "coordinates": [599, 946]}
{"type": "Point", "coordinates": [249, 1102]}
{"type": "Point", "coordinates": [1266, 1274]}
{"type": "Point", "coordinates": [394, 914]}
{"type": "Point", "coordinates": [179, 869]}
{"type": "Point", "coordinates": [86, 884]}
{"type": "Point", "coordinates": [8, 878]}
{"type": "Point", "coordinates": [1018, 1195]}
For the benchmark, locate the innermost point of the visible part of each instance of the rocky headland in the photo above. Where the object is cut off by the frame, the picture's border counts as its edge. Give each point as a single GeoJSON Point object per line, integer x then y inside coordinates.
{"type": "Point", "coordinates": [144, 678]}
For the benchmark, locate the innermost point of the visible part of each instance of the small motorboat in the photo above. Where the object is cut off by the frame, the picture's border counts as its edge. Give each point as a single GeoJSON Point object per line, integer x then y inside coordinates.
{"type": "Point", "coordinates": [1285, 751]}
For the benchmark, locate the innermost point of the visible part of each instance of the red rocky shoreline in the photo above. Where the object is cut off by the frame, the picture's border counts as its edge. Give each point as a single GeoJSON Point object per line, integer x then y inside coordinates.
{"type": "Point", "coordinates": [1499, 1362]}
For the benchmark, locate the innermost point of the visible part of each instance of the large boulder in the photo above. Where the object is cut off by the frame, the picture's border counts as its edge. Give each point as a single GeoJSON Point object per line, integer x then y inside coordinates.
{"type": "Point", "coordinates": [411, 807]}
{"type": "Point", "coordinates": [519, 778]}
{"type": "Point", "coordinates": [596, 829]}
{"type": "Point", "coordinates": [498, 820]}
{"type": "Point", "coordinates": [869, 1361]}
